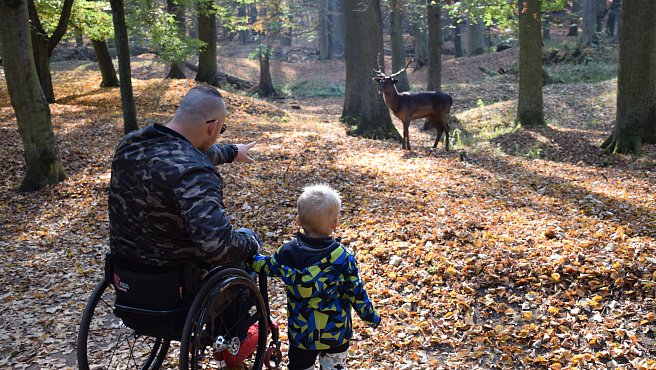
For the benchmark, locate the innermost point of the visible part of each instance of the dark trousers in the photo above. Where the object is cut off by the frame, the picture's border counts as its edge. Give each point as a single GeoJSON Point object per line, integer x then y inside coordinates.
{"type": "Point", "coordinates": [301, 359]}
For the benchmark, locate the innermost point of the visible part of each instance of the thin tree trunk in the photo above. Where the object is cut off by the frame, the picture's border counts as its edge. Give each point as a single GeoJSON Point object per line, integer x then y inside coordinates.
{"type": "Point", "coordinates": [178, 12]}
{"type": "Point", "coordinates": [434, 46]}
{"type": "Point", "coordinates": [265, 86]}
{"type": "Point", "coordinates": [364, 109]}
{"type": "Point", "coordinates": [574, 18]}
{"type": "Point", "coordinates": [398, 49]}
{"type": "Point", "coordinates": [635, 122]}
{"type": "Point", "coordinates": [420, 46]}
{"type": "Point", "coordinates": [338, 27]}
{"type": "Point", "coordinates": [475, 37]}
{"type": "Point", "coordinates": [105, 64]}
{"type": "Point", "coordinates": [457, 39]}
{"type": "Point", "coordinates": [124, 68]}
{"type": "Point", "coordinates": [43, 163]}
{"type": "Point", "coordinates": [589, 21]}
{"type": "Point", "coordinates": [43, 45]}
{"type": "Point", "coordinates": [325, 30]}
{"type": "Point", "coordinates": [530, 110]}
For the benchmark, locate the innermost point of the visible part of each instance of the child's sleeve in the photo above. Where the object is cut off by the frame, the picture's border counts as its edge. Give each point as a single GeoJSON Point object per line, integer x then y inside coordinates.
{"type": "Point", "coordinates": [268, 264]}
{"type": "Point", "coordinates": [357, 295]}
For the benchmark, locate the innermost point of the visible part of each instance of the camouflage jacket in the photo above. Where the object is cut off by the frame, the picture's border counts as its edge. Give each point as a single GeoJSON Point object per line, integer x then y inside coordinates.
{"type": "Point", "coordinates": [323, 285]}
{"type": "Point", "coordinates": [166, 202]}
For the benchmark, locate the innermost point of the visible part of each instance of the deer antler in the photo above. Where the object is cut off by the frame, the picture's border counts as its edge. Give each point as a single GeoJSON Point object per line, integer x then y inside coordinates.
{"type": "Point", "coordinates": [404, 68]}
{"type": "Point", "coordinates": [378, 71]}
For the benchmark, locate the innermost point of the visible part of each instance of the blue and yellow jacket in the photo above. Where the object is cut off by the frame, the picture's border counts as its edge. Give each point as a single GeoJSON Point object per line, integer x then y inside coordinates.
{"type": "Point", "coordinates": [322, 282]}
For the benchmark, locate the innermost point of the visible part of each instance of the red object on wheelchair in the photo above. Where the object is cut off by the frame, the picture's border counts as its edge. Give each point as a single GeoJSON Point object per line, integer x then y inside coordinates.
{"type": "Point", "coordinates": [247, 347]}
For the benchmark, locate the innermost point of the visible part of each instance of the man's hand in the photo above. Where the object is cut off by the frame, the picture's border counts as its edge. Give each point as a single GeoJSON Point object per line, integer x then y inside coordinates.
{"type": "Point", "coordinates": [242, 154]}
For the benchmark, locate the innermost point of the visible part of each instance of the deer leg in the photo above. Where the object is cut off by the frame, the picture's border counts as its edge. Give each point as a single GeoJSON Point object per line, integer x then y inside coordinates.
{"type": "Point", "coordinates": [406, 136]}
{"type": "Point", "coordinates": [439, 135]}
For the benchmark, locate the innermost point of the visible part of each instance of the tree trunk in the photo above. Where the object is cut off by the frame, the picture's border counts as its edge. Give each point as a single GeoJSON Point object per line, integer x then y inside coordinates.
{"type": "Point", "coordinates": [105, 64]}
{"type": "Point", "coordinates": [338, 27]}
{"type": "Point", "coordinates": [635, 122]}
{"type": "Point", "coordinates": [207, 64]}
{"type": "Point", "coordinates": [589, 21]}
{"type": "Point", "coordinates": [475, 37]}
{"type": "Point", "coordinates": [43, 164]}
{"type": "Point", "coordinates": [574, 18]}
{"type": "Point", "coordinates": [124, 69]}
{"type": "Point", "coordinates": [364, 108]}
{"type": "Point", "coordinates": [434, 46]}
{"type": "Point", "coordinates": [420, 45]}
{"type": "Point", "coordinates": [457, 39]}
{"type": "Point", "coordinates": [546, 29]}
{"type": "Point", "coordinates": [612, 26]}
{"type": "Point", "coordinates": [42, 64]}
{"type": "Point", "coordinates": [530, 111]}
{"type": "Point", "coordinates": [265, 86]}
{"type": "Point", "coordinates": [601, 13]}
{"type": "Point", "coordinates": [43, 45]}
{"type": "Point", "coordinates": [325, 29]}
{"type": "Point", "coordinates": [398, 49]}
{"type": "Point", "coordinates": [178, 12]}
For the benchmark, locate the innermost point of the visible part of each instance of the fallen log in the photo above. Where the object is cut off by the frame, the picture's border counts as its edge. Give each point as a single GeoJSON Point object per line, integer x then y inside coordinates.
{"type": "Point", "coordinates": [237, 82]}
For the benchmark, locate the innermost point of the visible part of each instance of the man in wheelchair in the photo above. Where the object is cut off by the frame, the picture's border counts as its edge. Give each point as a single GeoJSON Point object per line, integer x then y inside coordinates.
{"type": "Point", "coordinates": [168, 227]}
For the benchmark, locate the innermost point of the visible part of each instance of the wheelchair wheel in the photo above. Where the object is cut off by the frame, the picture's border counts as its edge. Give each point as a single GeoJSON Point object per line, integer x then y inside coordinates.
{"type": "Point", "coordinates": [104, 342]}
{"type": "Point", "coordinates": [226, 327]}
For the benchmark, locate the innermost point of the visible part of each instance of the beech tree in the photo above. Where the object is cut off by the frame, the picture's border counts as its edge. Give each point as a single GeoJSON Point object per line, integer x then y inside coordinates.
{"type": "Point", "coordinates": [124, 69]}
{"type": "Point", "coordinates": [635, 121]}
{"type": "Point", "coordinates": [434, 45]}
{"type": "Point", "coordinates": [530, 108]}
{"type": "Point", "coordinates": [364, 108]}
{"type": "Point", "coordinates": [44, 42]}
{"type": "Point", "coordinates": [43, 163]}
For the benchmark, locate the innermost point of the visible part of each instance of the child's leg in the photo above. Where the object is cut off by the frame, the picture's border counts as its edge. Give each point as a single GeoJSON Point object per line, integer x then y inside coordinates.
{"type": "Point", "coordinates": [334, 359]}
{"type": "Point", "coordinates": [301, 359]}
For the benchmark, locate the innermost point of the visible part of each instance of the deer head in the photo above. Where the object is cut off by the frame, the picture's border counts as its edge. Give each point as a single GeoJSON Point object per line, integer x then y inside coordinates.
{"type": "Point", "coordinates": [387, 83]}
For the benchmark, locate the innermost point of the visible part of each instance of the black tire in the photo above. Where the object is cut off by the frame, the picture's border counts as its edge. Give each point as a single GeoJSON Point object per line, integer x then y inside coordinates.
{"type": "Point", "coordinates": [103, 342]}
{"type": "Point", "coordinates": [212, 318]}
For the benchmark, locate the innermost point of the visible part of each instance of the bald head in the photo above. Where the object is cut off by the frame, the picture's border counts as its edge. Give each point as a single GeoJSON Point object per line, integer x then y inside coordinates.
{"type": "Point", "coordinates": [202, 103]}
{"type": "Point", "coordinates": [200, 116]}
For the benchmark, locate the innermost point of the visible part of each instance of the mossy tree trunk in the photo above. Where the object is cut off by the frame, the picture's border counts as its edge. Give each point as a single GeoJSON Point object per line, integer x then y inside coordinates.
{"type": "Point", "coordinates": [43, 163]}
{"type": "Point", "coordinates": [530, 110]}
{"type": "Point", "coordinates": [396, 39]}
{"type": "Point", "coordinates": [434, 45]}
{"type": "Point", "coordinates": [635, 122]}
{"type": "Point", "coordinates": [364, 108]}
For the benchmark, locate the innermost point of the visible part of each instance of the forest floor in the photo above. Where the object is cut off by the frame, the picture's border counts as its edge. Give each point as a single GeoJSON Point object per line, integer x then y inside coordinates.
{"type": "Point", "coordinates": [517, 249]}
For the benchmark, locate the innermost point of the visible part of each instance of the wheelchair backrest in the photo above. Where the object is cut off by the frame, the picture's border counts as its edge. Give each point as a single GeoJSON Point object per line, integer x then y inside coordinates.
{"type": "Point", "coordinates": [152, 300]}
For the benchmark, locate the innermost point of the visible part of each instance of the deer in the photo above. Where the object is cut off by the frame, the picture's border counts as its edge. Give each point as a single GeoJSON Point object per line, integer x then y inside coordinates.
{"type": "Point", "coordinates": [406, 106]}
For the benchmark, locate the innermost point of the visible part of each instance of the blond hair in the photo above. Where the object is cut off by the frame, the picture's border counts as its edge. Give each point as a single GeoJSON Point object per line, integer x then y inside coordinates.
{"type": "Point", "coordinates": [318, 208]}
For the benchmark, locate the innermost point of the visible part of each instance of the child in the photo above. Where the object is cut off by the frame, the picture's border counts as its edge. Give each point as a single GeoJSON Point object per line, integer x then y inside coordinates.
{"type": "Point", "coordinates": [322, 282]}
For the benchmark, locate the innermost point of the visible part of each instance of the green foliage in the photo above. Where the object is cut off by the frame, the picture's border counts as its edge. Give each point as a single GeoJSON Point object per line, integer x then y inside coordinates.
{"type": "Point", "coordinates": [93, 18]}
{"type": "Point", "coordinates": [159, 30]}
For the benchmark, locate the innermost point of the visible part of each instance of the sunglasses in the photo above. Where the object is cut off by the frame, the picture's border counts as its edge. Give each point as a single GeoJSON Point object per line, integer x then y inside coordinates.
{"type": "Point", "coordinates": [223, 128]}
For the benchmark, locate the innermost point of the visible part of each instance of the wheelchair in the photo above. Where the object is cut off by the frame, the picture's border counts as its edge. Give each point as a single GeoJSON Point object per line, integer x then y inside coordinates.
{"type": "Point", "coordinates": [220, 317]}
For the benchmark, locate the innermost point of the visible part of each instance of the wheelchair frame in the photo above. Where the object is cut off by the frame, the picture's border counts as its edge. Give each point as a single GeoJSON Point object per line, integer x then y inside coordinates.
{"type": "Point", "coordinates": [210, 342]}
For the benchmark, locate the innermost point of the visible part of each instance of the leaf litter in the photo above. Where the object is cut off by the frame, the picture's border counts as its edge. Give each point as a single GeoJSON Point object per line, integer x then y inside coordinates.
{"type": "Point", "coordinates": [491, 256]}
